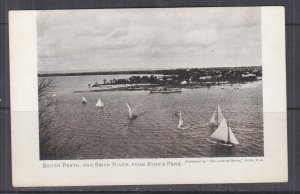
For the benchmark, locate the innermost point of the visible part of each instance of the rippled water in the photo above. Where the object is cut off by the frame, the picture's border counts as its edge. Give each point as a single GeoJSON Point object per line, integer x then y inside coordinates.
{"type": "Point", "coordinates": [88, 132]}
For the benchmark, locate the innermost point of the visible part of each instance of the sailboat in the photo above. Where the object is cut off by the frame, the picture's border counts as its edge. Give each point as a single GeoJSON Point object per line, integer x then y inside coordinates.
{"type": "Point", "coordinates": [224, 135]}
{"type": "Point", "coordinates": [217, 116]}
{"type": "Point", "coordinates": [180, 124]}
{"type": "Point", "coordinates": [54, 98]}
{"type": "Point", "coordinates": [130, 112]}
{"type": "Point", "coordinates": [83, 100]}
{"type": "Point", "coordinates": [99, 103]}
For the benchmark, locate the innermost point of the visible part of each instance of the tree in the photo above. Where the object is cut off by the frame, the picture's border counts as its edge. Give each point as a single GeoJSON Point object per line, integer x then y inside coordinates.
{"type": "Point", "coordinates": [44, 87]}
{"type": "Point", "coordinates": [45, 117]}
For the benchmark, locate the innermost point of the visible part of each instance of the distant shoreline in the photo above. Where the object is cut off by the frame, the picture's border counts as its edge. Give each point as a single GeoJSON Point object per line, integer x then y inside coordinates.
{"type": "Point", "coordinates": [149, 87]}
{"type": "Point", "coordinates": [164, 72]}
{"type": "Point", "coordinates": [98, 73]}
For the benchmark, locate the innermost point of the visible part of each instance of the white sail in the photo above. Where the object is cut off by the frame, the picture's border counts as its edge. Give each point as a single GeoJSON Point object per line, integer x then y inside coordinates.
{"type": "Point", "coordinates": [180, 124]}
{"type": "Point", "coordinates": [99, 103]}
{"type": "Point", "coordinates": [221, 133]}
{"type": "Point", "coordinates": [224, 133]}
{"type": "Point", "coordinates": [232, 137]}
{"type": "Point", "coordinates": [83, 99]}
{"type": "Point", "coordinates": [129, 110]}
{"type": "Point", "coordinates": [54, 99]}
{"type": "Point", "coordinates": [213, 118]}
{"type": "Point", "coordinates": [220, 115]}
{"type": "Point", "coordinates": [217, 116]}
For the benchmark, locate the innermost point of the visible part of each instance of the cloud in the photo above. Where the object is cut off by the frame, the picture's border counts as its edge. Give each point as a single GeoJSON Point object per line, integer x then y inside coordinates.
{"type": "Point", "coordinates": [151, 37]}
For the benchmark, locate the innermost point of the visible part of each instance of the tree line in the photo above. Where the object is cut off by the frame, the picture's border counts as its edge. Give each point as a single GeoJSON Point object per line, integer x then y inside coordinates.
{"type": "Point", "coordinates": [195, 75]}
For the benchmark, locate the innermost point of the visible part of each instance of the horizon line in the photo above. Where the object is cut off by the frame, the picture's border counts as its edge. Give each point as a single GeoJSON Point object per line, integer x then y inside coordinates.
{"type": "Point", "coordinates": [134, 69]}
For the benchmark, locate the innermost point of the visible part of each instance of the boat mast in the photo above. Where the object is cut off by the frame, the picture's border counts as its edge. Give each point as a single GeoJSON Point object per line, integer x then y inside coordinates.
{"type": "Point", "coordinates": [228, 134]}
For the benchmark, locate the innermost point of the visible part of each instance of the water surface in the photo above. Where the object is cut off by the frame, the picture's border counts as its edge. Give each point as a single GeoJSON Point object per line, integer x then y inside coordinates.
{"type": "Point", "coordinates": [87, 132]}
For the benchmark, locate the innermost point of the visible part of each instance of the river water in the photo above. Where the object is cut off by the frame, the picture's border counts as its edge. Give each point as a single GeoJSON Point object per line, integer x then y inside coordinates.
{"type": "Point", "coordinates": [86, 132]}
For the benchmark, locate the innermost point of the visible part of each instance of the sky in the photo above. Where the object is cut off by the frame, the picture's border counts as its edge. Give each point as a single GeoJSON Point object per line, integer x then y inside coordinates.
{"type": "Point", "coordinates": [139, 39]}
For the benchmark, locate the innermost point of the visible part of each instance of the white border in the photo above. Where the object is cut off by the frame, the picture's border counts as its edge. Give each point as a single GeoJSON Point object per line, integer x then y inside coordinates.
{"type": "Point", "coordinates": [27, 170]}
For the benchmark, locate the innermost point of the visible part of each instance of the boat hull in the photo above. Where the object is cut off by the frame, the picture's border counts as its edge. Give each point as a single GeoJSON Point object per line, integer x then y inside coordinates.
{"type": "Point", "coordinates": [214, 124]}
{"type": "Point", "coordinates": [184, 127]}
{"type": "Point", "coordinates": [220, 143]}
{"type": "Point", "coordinates": [133, 117]}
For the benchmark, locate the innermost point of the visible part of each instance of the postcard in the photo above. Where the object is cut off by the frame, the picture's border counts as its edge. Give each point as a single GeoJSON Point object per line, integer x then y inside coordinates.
{"type": "Point", "coordinates": [148, 96]}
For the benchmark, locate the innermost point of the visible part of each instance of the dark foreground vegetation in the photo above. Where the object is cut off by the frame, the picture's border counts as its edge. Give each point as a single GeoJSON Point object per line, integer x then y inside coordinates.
{"type": "Point", "coordinates": [49, 147]}
{"type": "Point", "coordinates": [45, 118]}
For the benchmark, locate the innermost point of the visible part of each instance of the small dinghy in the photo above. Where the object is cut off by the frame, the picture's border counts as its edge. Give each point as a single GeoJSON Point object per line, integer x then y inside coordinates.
{"type": "Point", "coordinates": [130, 112]}
{"type": "Point", "coordinates": [83, 100]}
{"type": "Point", "coordinates": [180, 124]}
{"type": "Point", "coordinates": [99, 103]}
{"type": "Point", "coordinates": [217, 117]}
{"type": "Point", "coordinates": [223, 135]}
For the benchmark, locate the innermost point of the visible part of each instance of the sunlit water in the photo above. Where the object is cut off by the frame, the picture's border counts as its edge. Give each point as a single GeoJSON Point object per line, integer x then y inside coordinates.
{"type": "Point", "coordinates": [88, 132]}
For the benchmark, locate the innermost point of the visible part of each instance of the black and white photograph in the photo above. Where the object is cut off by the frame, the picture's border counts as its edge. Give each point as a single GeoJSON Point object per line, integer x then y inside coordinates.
{"type": "Point", "coordinates": [150, 83]}
{"type": "Point", "coordinates": [137, 96]}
